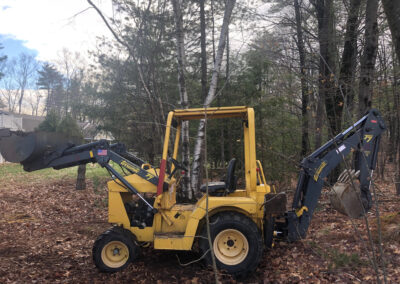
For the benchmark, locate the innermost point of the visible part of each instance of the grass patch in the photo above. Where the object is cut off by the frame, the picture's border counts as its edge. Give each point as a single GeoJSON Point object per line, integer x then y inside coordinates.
{"type": "Point", "coordinates": [337, 259]}
{"type": "Point", "coordinates": [15, 172]}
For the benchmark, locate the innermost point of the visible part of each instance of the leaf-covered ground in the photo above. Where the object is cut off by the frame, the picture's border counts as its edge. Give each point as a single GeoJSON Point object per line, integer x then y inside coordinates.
{"type": "Point", "coordinates": [47, 230]}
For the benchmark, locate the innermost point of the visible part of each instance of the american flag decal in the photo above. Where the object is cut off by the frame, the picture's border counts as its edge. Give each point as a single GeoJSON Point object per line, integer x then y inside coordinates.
{"type": "Point", "coordinates": [101, 152]}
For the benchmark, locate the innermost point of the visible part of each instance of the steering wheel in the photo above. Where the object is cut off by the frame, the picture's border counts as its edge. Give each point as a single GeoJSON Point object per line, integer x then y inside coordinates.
{"type": "Point", "coordinates": [177, 166]}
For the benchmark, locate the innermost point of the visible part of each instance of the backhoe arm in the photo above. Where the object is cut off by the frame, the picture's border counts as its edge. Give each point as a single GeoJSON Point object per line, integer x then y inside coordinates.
{"type": "Point", "coordinates": [362, 138]}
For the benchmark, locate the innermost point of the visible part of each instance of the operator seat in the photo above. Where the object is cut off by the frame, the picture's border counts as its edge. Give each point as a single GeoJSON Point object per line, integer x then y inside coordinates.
{"type": "Point", "coordinates": [220, 188]}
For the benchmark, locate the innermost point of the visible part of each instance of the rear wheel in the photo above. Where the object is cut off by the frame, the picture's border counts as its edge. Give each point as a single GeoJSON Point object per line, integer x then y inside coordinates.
{"type": "Point", "coordinates": [114, 250]}
{"type": "Point", "coordinates": [269, 224]}
{"type": "Point", "coordinates": [236, 243]}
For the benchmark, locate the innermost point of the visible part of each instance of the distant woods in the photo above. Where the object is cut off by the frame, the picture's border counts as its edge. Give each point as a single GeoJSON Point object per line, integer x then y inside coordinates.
{"type": "Point", "coordinates": [310, 68]}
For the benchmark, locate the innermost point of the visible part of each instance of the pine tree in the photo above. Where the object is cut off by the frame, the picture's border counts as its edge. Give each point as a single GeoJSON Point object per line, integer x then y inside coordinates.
{"type": "Point", "coordinates": [51, 81]}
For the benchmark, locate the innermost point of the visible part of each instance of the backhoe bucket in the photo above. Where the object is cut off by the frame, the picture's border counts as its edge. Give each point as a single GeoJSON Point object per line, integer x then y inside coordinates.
{"type": "Point", "coordinates": [346, 200]}
{"type": "Point", "coordinates": [345, 195]}
{"type": "Point", "coordinates": [33, 149]}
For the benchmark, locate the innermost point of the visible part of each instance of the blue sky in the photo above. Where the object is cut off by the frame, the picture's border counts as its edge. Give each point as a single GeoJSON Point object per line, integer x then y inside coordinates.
{"type": "Point", "coordinates": [46, 27]}
{"type": "Point", "coordinates": [13, 47]}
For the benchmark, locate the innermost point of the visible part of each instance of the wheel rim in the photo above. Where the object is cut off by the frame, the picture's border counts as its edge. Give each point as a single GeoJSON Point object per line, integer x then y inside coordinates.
{"type": "Point", "coordinates": [115, 254]}
{"type": "Point", "coordinates": [230, 247]}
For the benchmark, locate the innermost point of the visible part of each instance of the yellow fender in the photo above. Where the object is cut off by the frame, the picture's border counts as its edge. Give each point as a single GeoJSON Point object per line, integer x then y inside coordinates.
{"type": "Point", "coordinates": [244, 205]}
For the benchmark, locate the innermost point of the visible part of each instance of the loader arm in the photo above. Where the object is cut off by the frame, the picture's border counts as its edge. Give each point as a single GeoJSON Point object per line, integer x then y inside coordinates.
{"type": "Point", "coordinates": [362, 138]}
{"type": "Point", "coordinates": [102, 152]}
{"type": "Point", "coordinates": [53, 152]}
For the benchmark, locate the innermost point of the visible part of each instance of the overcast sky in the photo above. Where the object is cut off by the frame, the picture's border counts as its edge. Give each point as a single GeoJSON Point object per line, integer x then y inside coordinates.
{"type": "Point", "coordinates": [45, 27]}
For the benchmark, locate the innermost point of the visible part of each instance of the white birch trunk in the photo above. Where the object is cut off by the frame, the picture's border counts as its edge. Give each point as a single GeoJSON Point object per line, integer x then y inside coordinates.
{"type": "Point", "coordinates": [195, 177]}
{"type": "Point", "coordinates": [180, 54]}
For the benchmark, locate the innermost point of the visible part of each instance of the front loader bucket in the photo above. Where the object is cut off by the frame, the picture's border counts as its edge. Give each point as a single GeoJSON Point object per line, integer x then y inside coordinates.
{"type": "Point", "coordinates": [346, 199]}
{"type": "Point", "coordinates": [33, 150]}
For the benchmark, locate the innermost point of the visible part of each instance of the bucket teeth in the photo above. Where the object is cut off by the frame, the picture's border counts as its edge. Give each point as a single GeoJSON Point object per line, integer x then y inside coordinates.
{"type": "Point", "coordinates": [347, 175]}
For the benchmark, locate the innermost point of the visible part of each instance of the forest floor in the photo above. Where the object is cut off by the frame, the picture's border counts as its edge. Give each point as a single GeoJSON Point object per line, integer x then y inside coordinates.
{"type": "Point", "coordinates": [47, 229]}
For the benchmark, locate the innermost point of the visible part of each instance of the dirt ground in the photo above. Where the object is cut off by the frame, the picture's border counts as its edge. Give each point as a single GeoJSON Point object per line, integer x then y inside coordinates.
{"type": "Point", "coordinates": [47, 230]}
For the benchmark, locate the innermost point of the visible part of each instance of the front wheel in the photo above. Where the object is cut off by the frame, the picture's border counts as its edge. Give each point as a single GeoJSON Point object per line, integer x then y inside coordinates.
{"type": "Point", "coordinates": [114, 250]}
{"type": "Point", "coordinates": [236, 243]}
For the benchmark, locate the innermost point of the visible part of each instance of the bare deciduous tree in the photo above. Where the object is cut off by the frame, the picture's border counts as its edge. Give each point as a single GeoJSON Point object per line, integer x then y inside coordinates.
{"type": "Point", "coordinates": [9, 88]}
{"type": "Point", "coordinates": [25, 70]}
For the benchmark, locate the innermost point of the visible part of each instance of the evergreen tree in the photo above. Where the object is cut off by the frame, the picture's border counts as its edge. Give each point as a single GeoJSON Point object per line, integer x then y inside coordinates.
{"type": "Point", "coordinates": [51, 81]}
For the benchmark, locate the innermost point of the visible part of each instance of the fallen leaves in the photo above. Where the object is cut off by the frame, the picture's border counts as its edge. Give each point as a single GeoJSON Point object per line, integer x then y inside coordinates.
{"type": "Point", "coordinates": [47, 231]}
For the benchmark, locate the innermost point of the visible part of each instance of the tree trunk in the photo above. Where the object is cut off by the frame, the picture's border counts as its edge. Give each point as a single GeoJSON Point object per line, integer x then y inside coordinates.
{"type": "Point", "coordinates": [392, 11]}
{"type": "Point", "coordinates": [303, 82]}
{"type": "Point", "coordinates": [81, 178]}
{"type": "Point", "coordinates": [368, 59]}
{"type": "Point", "coordinates": [195, 177]}
{"type": "Point", "coordinates": [20, 100]}
{"type": "Point", "coordinates": [180, 51]}
{"type": "Point", "coordinates": [349, 59]}
{"type": "Point", "coordinates": [397, 183]}
{"type": "Point", "coordinates": [319, 9]}
{"type": "Point", "coordinates": [203, 48]}
{"type": "Point", "coordinates": [319, 122]}
{"type": "Point", "coordinates": [327, 70]}
{"type": "Point", "coordinates": [396, 107]}
{"type": "Point", "coordinates": [213, 30]}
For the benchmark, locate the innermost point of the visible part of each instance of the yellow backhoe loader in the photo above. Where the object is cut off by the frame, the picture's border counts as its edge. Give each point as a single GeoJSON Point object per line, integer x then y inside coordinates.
{"type": "Point", "coordinates": [142, 204]}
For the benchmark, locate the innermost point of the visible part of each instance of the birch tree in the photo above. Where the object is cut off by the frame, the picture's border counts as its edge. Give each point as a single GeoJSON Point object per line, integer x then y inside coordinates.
{"type": "Point", "coordinates": [180, 54]}
{"type": "Point", "coordinates": [195, 176]}
{"type": "Point", "coordinates": [203, 48]}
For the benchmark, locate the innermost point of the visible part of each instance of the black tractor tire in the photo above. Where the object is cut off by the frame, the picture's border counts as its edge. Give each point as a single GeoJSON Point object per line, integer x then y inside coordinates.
{"type": "Point", "coordinates": [269, 226]}
{"type": "Point", "coordinates": [114, 250]}
{"type": "Point", "coordinates": [236, 242]}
